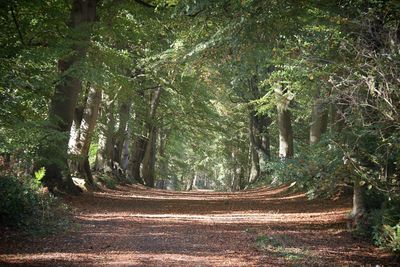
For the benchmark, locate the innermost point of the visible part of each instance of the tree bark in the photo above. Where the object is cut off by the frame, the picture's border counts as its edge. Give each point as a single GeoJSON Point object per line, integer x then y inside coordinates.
{"type": "Point", "coordinates": [259, 123]}
{"type": "Point", "coordinates": [136, 158]}
{"type": "Point", "coordinates": [106, 133]}
{"type": "Point", "coordinates": [149, 159]}
{"type": "Point", "coordinates": [285, 134]}
{"type": "Point", "coordinates": [319, 119]}
{"type": "Point", "coordinates": [64, 100]}
{"type": "Point", "coordinates": [125, 149]}
{"type": "Point", "coordinates": [191, 182]}
{"type": "Point", "coordinates": [88, 123]}
{"type": "Point", "coordinates": [76, 124]}
{"type": "Point", "coordinates": [236, 172]}
{"type": "Point", "coordinates": [255, 165]}
{"type": "Point", "coordinates": [120, 136]}
{"type": "Point", "coordinates": [358, 209]}
{"type": "Point", "coordinates": [259, 134]}
{"type": "Point", "coordinates": [163, 163]}
{"type": "Point", "coordinates": [285, 126]}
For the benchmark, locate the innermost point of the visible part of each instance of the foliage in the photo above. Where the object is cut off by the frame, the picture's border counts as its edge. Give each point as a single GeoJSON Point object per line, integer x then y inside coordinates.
{"type": "Point", "coordinates": [219, 64]}
{"type": "Point", "coordinates": [107, 180]}
{"type": "Point", "coordinates": [384, 226]}
{"type": "Point", "coordinates": [390, 238]}
{"type": "Point", "coordinates": [24, 204]}
{"type": "Point", "coordinates": [317, 169]}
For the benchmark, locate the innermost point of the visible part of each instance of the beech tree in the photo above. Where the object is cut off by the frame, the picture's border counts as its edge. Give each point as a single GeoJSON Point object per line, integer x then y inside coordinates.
{"type": "Point", "coordinates": [221, 95]}
{"type": "Point", "coordinates": [64, 99]}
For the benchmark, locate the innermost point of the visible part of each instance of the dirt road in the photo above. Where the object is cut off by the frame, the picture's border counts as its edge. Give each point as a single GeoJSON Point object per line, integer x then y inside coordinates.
{"type": "Point", "coordinates": [135, 226]}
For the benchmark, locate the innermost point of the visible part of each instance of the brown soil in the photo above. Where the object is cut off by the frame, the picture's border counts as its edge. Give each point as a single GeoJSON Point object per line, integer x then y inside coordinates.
{"type": "Point", "coordinates": [135, 226]}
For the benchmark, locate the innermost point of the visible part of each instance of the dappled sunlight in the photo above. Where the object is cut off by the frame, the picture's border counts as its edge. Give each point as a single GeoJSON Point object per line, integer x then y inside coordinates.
{"type": "Point", "coordinates": [157, 194]}
{"type": "Point", "coordinates": [146, 227]}
{"type": "Point", "coordinates": [131, 258]}
{"type": "Point", "coordinates": [223, 218]}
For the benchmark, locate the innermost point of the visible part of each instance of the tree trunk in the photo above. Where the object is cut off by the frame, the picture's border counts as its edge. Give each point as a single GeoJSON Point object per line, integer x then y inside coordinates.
{"type": "Point", "coordinates": [74, 132]}
{"type": "Point", "coordinates": [163, 163]}
{"type": "Point", "coordinates": [236, 172]}
{"type": "Point", "coordinates": [259, 123]}
{"type": "Point", "coordinates": [358, 209]}
{"type": "Point", "coordinates": [106, 133]}
{"type": "Point", "coordinates": [319, 119]}
{"type": "Point", "coordinates": [64, 100]}
{"type": "Point", "coordinates": [88, 123]}
{"type": "Point", "coordinates": [285, 126]}
{"type": "Point", "coordinates": [120, 137]}
{"type": "Point", "coordinates": [149, 159]}
{"type": "Point", "coordinates": [125, 149]}
{"type": "Point", "coordinates": [191, 182]}
{"type": "Point", "coordinates": [242, 180]}
{"type": "Point", "coordinates": [255, 165]}
{"type": "Point", "coordinates": [137, 154]}
{"type": "Point", "coordinates": [259, 134]}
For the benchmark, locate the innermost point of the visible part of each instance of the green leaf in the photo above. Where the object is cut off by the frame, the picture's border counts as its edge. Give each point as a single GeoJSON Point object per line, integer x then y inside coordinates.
{"type": "Point", "coordinates": [40, 174]}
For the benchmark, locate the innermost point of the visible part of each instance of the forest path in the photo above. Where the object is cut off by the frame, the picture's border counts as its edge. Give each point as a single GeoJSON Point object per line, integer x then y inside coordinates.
{"type": "Point", "coordinates": [135, 226]}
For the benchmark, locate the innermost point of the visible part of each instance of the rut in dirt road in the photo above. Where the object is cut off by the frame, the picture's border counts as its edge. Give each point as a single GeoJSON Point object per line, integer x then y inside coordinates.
{"type": "Point", "coordinates": [134, 226]}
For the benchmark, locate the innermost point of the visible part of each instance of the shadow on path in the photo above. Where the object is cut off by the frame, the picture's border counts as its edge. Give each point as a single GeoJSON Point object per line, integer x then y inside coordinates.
{"type": "Point", "coordinates": [135, 226]}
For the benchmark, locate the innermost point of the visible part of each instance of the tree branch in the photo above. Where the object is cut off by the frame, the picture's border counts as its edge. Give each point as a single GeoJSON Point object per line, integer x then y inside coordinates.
{"type": "Point", "coordinates": [17, 25]}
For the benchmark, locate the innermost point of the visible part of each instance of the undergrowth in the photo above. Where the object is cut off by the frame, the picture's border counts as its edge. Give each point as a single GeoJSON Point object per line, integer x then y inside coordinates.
{"type": "Point", "coordinates": [26, 206]}
{"type": "Point", "coordinates": [318, 170]}
{"type": "Point", "coordinates": [106, 180]}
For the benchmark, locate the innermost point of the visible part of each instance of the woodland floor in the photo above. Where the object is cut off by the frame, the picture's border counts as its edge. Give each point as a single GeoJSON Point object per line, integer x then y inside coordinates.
{"type": "Point", "coordinates": [134, 226]}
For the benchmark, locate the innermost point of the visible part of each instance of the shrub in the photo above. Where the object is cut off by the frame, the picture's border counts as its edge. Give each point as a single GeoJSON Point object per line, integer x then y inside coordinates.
{"type": "Point", "coordinates": [106, 180]}
{"type": "Point", "coordinates": [24, 204]}
{"type": "Point", "coordinates": [385, 227]}
{"type": "Point", "coordinates": [317, 169]}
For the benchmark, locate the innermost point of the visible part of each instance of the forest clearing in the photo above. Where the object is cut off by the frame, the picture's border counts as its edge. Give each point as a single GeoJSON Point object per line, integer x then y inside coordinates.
{"type": "Point", "coordinates": [200, 132]}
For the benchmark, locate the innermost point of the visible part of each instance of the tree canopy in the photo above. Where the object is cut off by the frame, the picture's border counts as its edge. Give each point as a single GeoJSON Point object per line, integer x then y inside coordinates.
{"type": "Point", "coordinates": [223, 95]}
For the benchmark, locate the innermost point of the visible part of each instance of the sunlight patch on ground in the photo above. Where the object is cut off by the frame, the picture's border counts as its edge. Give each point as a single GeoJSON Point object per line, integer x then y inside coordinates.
{"type": "Point", "coordinates": [115, 258]}
{"type": "Point", "coordinates": [225, 218]}
{"type": "Point", "coordinates": [231, 197]}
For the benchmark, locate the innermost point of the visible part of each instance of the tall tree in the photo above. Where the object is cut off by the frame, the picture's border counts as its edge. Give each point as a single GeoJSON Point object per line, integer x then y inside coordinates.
{"type": "Point", "coordinates": [62, 106]}
{"type": "Point", "coordinates": [149, 158]}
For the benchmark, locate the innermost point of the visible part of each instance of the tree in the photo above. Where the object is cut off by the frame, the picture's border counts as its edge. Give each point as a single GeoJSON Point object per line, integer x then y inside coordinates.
{"type": "Point", "coordinates": [83, 137]}
{"type": "Point", "coordinates": [63, 102]}
{"type": "Point", "coordinates": [319, 119]}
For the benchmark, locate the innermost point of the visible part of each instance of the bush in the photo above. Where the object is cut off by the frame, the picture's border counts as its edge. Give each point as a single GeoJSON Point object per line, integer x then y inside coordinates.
{"type": "Point", "coordinates": [385, 226]}
{"type": "Point", "coordinates": [390, 238]}
{"type": "Point", "coordinates": [317, 169]}
{"type": "Point", "coordinates": [24, 204]}
{"type": "Point", "coordinates": [107, 181]}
